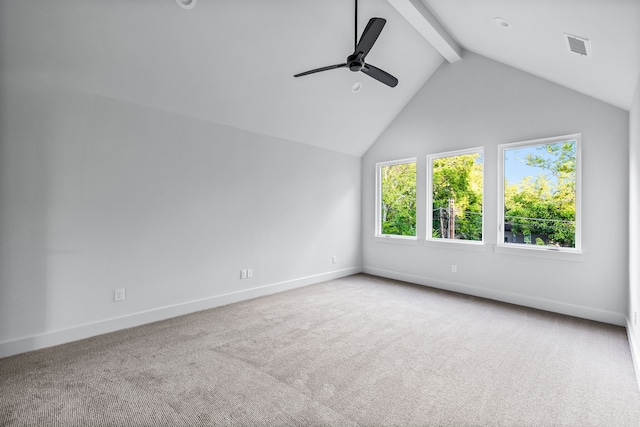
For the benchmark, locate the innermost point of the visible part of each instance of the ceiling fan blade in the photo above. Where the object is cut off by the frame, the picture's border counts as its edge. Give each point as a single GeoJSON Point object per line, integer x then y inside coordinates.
{"type": "Point", "coordinates": [380, 75]}
{"type": "Point", "coordinates": [317, 70]}
{"type": "Point", "coordinates": [370, 35]}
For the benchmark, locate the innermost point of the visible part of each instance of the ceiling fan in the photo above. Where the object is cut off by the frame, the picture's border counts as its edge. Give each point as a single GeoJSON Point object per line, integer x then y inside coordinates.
{"type": "Point", "coordinates": [355, 61]}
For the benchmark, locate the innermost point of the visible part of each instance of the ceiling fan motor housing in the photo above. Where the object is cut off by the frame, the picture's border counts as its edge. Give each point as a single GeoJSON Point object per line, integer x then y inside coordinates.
{"type": "Point", "coordinates": [355, 61]}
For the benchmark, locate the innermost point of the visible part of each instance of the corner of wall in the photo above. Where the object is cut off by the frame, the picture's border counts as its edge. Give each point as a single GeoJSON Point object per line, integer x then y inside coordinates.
{"type": "Point", "coordinates": [634, 230]}
{"type": "Point", "coordinates": [635, 351]}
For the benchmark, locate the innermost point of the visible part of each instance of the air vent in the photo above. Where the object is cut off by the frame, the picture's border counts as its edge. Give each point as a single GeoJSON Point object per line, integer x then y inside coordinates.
{"type": "Point", "coordinates": [578, 45]}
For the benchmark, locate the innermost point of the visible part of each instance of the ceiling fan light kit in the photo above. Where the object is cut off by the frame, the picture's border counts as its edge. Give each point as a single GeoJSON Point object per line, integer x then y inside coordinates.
{"type": "Point", "coordinates": [186, 4]}
{"type": "Point", "coordinates": [502, 22]}
{"type": "Point", "coordinates": [356, 61]}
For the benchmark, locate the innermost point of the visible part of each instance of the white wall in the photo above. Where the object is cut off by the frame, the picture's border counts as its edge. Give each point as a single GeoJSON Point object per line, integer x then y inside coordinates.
{"type": "Point", "coordinates": [98, 194]}
{"type": "Point", "coordinates": [633, 328]}
{"type": "Point", "coordinates": [479, 102]}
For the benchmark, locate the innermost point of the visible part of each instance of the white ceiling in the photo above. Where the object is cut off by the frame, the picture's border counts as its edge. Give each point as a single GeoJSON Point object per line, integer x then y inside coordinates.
{"type": "Point", "coordinates": [226, 61]}
{"type": "Point", "coordinates": [535, 42]}
{"type": "Point", "coordinates": [232, 61]}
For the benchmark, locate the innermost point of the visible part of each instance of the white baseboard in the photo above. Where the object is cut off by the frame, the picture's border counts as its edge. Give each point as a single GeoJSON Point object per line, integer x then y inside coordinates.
{"type": "Point", "coordinates": [635, 350]}
{"type": "Point", "coordinates": [61, 336]}
{"type": "Point", "coordinates": [512, 298]}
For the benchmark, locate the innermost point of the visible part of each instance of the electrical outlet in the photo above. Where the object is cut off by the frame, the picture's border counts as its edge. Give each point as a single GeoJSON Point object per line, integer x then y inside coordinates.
{"type": "Point", "coordinates": [119, 294]}
{"type": "Point", "coordinates": [334, 259]}
{"type": "Point", "coordinates": [243, 273]}
{"type": "Point", "coordinates": [454, 268]}
{"type": "Point", "coordinates": [249, 272]}
{"type": "Point", "coordinates": [635, 318]}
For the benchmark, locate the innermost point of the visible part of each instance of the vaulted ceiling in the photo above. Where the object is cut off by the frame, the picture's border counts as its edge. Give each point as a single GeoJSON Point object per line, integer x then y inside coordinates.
{"type": "Point", "coordinates": [535, 43]}
{"type": "Point", "coordinates": [232, 61]}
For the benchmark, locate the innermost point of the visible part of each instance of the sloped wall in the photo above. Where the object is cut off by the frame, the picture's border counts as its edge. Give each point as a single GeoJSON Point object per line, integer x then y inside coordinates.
{"type": "Point", "coordinates": [478, 102]}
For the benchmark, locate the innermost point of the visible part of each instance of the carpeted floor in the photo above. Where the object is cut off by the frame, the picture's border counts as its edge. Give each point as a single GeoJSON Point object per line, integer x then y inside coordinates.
{"type": "Point", "coordinates": [359, 351]}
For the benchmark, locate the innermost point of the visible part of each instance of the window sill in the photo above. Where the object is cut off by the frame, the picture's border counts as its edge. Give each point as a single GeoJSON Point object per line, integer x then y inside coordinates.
{"type": "Point", "coordinates": [464, 245]}
{"type": "Point", "coordinates": [402, 240]}
{"type": "Point", "coordinates": [543, 252]}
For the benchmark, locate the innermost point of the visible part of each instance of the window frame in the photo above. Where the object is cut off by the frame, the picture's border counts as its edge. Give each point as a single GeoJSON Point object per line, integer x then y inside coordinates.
{"type": "Point", "coordinates": [578, 201]}
{"type": "Point", "coordinates": [429, 224]}
{"type": "Point", "coordinates": [378, 200]}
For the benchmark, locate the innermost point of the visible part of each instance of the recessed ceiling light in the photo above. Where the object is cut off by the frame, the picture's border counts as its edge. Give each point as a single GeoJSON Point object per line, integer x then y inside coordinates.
{"type": "Point", "coordinates": [502, 22]}
{"type": "Point", "coordinates": [356, 87]}
{"type": "Point", "coordinates": [186, 4]}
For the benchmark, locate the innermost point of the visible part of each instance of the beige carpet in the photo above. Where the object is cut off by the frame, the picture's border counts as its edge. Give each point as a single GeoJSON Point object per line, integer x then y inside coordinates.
{"type": "Point", "coordinates": [359, 351]}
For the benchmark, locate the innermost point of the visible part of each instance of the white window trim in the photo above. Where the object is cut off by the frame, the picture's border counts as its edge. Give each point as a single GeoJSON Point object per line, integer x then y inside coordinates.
{"type": "Point", "coordinates": [429, 227]}
{"type": "Point", "coordinates": [503, 247]}
{"type": "Point", "coordinates": [378, 229]}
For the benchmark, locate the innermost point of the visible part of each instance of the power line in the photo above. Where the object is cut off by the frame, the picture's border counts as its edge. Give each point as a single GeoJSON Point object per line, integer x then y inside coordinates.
{"type": "Point", "coordinates": [540, 219]}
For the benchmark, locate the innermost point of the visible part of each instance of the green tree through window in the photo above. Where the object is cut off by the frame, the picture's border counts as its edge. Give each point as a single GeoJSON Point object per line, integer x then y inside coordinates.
{"type": "Point", "coordinates": [456, 196]}
{"type": "Point", "coordinates": [398, 199]}
{"type": "Point", "coordinates": [540, 194]}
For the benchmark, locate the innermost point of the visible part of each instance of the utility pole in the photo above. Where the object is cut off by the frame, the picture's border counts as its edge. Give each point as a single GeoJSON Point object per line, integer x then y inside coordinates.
{"type": "Point", "coordinates": [452, 224]}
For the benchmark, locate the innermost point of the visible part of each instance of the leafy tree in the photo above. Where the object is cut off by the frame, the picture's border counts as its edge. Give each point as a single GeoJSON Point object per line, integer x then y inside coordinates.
{"type": "Point", "coordinates": [545, 205]}
{"type": "Point", "coordinates": [399, 199]}
{"type": "Point", "coordinates": [559, 159]}
{"type": "Point", "coordinates": [457, 197]}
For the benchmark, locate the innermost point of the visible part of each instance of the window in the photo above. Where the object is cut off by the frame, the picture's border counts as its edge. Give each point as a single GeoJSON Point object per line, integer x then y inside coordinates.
{"type": "Point", "coordinates": [455, 196]}
{"type": "Point", "coordinates": [539, 197]}
{"type": "Point", "coordinates": [396, 198]}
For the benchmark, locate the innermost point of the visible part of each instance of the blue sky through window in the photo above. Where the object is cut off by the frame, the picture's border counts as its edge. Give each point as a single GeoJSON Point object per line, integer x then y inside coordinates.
{"type": "Point", "coordinates": [516, 168]}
